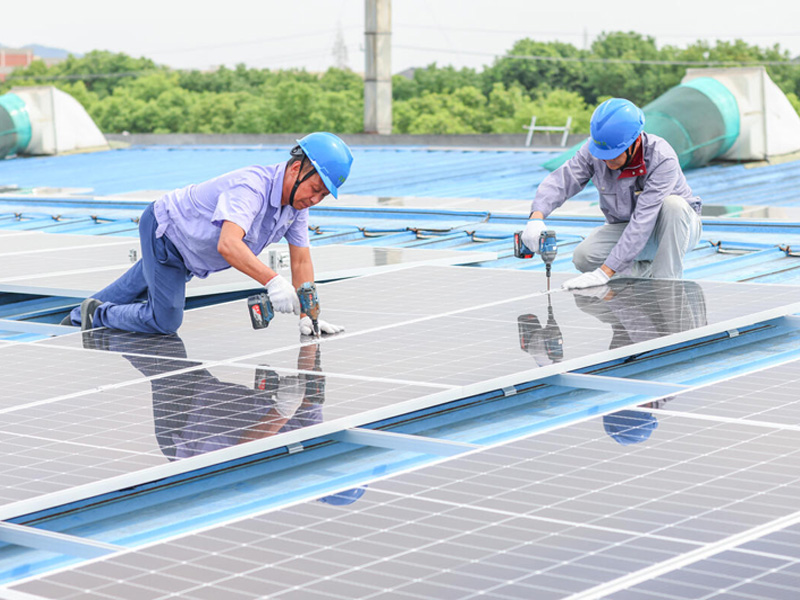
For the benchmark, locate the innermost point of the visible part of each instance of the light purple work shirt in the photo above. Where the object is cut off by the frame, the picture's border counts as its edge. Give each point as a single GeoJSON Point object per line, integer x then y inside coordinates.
{"type": "Point", "coordinates": [192, 217]}
{"type": "Point", "coordinates": [633, 200]}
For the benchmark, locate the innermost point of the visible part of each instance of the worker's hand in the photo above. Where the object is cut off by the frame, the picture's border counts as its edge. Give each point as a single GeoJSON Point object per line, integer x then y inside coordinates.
{"type": "Point", "coordinates": [530, 235]}
{"type": "Point", "coordinates": [290, 395]}
{"type": "Point", "coordinates": [282, 295]}
{"type": "Point", "coordinates": [307, 327]}
{"type": "Point", "coordinates": [587, 280]}
{"type": "Point", "coordinates": [601, 292]}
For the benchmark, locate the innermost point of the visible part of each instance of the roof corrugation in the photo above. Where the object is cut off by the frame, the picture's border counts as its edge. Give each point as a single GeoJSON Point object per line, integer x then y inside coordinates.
{"type": "Point", "coordinates": [377, 171]}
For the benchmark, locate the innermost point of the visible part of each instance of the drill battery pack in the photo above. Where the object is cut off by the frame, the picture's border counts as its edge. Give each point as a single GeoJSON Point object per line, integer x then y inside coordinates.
{"type": "Point", "coordinates": [260, 309]}
{"type": "Point", "coordinates": [520, 249]}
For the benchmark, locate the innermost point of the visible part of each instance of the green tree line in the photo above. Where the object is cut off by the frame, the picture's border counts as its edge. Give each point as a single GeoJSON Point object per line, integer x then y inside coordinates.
{"type": "Point", "coordinates": [123, 93]}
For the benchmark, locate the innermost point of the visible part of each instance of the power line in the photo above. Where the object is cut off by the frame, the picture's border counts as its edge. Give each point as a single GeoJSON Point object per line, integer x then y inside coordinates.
{"type": "Point", "coordinates": [253, 42]}
{"type": "Point", "coordinates": [528, 32]}
{"type": "Point", "coordinates": [623, 61]}
{"type": "Point", "coordinates": [321, 52]}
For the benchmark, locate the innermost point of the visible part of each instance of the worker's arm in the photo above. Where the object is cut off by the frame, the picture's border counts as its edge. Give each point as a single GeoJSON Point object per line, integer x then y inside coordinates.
{"type": "Point", "coordinates": [563, 183]}
{"type": "Point", "coordinates": [302, 267]}
{"type": "Point", "coordinates": [233, 249]}
{"type": "Point", "coordinates": [303, 271]}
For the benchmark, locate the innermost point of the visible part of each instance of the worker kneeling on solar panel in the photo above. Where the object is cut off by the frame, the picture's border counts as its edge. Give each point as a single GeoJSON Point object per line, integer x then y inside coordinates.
{"type": "Point", "coordinates": [221, 223]}
{"type": "Point", "coordinates": [652, 217]}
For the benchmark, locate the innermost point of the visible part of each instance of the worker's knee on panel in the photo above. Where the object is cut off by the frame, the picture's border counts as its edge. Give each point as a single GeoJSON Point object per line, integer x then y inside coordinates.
{"type": "Point", "coordinates": [167, 321]}
{"type": "Point", "coordinates": [583, 260]}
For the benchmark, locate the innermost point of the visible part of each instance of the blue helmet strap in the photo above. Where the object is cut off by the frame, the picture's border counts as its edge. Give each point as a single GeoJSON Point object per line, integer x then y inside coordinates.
{"type": "Point", "coordinates": [298, 181]}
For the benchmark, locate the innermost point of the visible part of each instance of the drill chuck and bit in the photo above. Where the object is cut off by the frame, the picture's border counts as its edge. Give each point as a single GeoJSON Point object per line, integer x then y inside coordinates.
{"type": "Point", "coordinates": [547, 249]}
{"type": "Point", "coordinates": [309, 303]}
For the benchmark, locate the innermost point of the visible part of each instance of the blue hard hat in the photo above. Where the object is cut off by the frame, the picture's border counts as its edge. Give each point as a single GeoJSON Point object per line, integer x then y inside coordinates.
{"type": "Point", "coordinates": [344, 498]}
{"type": "Point", "coordinates": [629, 426]}
{"type": "Point", "coordinates": [615, 125]}
{"type": "Point", "coordinates": [330, 156]}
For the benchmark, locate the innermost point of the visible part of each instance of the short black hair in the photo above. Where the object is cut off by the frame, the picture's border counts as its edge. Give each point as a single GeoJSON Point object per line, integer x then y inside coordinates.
{"type": "Point", "coordinates": [296, 155]}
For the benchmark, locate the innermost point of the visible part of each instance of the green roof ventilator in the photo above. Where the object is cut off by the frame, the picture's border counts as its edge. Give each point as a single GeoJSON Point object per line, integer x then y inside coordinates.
{"type": "Point", "coordinates": [699, 119]}
{"type": "Point", "coordinates": [15, 125]}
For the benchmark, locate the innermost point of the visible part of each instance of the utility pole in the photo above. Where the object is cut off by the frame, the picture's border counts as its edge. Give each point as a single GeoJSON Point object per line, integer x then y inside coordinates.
{"type": "Point", "coordinates": [378, 66]}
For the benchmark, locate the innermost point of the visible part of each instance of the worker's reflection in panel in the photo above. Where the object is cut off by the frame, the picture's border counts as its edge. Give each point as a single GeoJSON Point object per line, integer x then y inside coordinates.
{"type": "Point", "coordinates": [195, 412]}
{"type": "Point", "coordinates": [644, 309]}
{"type": "Point", "coordinates": [637, 310]}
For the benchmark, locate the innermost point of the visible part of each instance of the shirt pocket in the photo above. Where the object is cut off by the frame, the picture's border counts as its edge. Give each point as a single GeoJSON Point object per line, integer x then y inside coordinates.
{"type": "Point", "coordinates": [626, 198]}
{"type": "Point", "coordinates": [609, 204]}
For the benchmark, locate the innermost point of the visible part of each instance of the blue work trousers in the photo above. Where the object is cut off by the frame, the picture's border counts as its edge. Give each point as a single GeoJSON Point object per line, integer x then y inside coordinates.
{"type": "Point", "coordinates": [150, 296]}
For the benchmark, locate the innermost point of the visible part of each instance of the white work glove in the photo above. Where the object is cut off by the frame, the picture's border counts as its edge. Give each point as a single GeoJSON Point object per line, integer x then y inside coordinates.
{"type": "Point", "coordinates": [307, 327]}
{"type": "Point", "coordinates": [282, 295]}
{"type": "Point", "coordinates": [530, 235]}
{"type": "Point", "coordinates": [587, 280]}
{"type": "Point", "coordinates": [600, 292]}
{"type": "Point", "coordinates": [290, 395]}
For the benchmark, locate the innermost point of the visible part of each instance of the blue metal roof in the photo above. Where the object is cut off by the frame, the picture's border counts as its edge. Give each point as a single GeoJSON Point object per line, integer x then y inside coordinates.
{"type": "Point", "coordinates": [377, 171]}
{"type": "Point", "coordinates": [731, 250]}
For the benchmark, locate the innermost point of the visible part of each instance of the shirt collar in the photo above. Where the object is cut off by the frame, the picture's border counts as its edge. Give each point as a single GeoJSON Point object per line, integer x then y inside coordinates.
{"type": "Point", "coordinates": [277, 186]}
{"type": "Point", "coordinates": [636, 167]}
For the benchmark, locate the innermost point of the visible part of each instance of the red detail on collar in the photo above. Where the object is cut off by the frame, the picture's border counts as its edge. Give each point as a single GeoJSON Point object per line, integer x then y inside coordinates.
{"type": "Point", "coordinates": [636, 166]}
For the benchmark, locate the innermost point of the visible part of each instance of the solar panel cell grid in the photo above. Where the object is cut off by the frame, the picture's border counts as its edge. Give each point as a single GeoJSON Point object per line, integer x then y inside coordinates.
{"type": "Point", "coordinates": [78, 270]}
{"type": "Point", "coordinates": [768, 396]}
{"type": "Point", "coordinates": [545, 517]}
{"type": "Point", "coordinates": [548, 516]}
{"type": "Point", "coordinates": [733, 574]}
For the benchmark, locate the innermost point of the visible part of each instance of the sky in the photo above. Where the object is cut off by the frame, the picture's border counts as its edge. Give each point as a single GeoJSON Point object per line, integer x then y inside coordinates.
{"type": "Point", "coordinates": [302, 34]}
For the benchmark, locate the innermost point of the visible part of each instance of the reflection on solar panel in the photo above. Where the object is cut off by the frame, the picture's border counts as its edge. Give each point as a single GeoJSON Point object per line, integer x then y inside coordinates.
{"type": "Point", "coordinates": [583, 510]}
{"type": "Point", "coordinates": [565, 513]}
{"type": "Point", "coordinates": [394, 357]}
{"type": "Point", "coordinates": [72, 266]}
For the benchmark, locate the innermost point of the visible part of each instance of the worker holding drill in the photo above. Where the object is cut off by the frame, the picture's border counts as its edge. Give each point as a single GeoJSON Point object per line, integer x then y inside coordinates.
{"type": "Point", "coordinates": [221, 223]}
{"type": "Point", "coordinates": [652, 217]}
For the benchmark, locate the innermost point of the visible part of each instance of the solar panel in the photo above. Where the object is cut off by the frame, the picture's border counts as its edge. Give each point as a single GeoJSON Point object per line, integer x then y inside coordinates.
{"type": "Point", "coordinates": [33, 242]}
{"type": "Point", "coordinates": [471, 331]}
{"type": "Point", "coordinates": [733, 575]}
{"type": "Point", "coordinates": [563, 514]}
{"type": "Point", "coordinates": [79, 271]}
{"type": "Point", "coordinates": [84, 439]}
{"type": "Point", "coordinates": [19, 268]}
{"type": "Point", "coordinates": [768, 396]}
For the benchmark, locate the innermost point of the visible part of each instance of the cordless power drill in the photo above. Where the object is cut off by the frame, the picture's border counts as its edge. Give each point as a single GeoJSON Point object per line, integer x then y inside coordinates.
{"type": "Point", "coordinates": [261, 311]}
{"type": "Point", "coordinates": [547, 249]}
{"type": "Point", "coordinates": [309, 303]}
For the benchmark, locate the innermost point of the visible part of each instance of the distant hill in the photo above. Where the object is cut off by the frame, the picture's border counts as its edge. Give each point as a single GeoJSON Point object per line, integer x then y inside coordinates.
{"type": "Point", "coordinates": [46, 51]}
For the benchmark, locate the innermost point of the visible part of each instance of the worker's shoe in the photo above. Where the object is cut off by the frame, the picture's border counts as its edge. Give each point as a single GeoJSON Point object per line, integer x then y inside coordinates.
{"type": "Point", "coordinates": [88, 308]}
{"type": "Point", "coordinates": [67, 320]}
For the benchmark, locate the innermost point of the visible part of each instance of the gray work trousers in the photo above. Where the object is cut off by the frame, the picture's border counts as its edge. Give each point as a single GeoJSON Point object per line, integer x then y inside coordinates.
{"type": "Point", "coordinates": [677, 230]}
